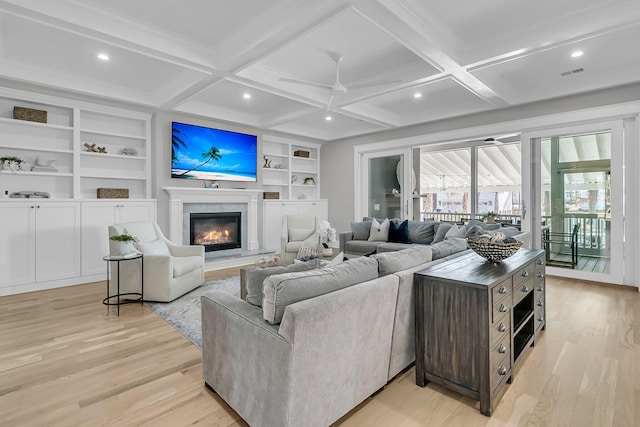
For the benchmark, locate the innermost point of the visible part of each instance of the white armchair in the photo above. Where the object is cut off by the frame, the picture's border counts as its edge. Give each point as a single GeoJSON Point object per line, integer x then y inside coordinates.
{"type": "Point", "coordinates": [170, 270]}
{"type": "Point", "coordinates": [298, 231]}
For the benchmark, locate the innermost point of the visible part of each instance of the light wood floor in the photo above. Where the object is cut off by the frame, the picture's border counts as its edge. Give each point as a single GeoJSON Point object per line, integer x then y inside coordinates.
{"type": "Point", "coordinates": [65, 362]}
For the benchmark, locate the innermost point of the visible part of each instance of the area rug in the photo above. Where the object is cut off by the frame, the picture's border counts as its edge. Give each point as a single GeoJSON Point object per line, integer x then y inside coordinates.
{"type": "Point", "coordinates": [184, 312]}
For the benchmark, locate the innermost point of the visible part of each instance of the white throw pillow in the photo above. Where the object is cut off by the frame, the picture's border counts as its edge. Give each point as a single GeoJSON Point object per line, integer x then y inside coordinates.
{"type": "Point", "coordinates": [379, 232]}
{"type": "Point", "coordinates": [455, 231]}
{"type": "Point", "coordinates": [311, 242]}
{"type": "Point", "coordinates": [155, 247]}
{"type": "Point", "coordinates": [335, 261]}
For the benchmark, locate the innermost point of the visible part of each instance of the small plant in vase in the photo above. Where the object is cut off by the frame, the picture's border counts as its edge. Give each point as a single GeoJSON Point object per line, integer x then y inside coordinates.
{"type": "Point", "coordinates": [490, 217]}
{"type": "Point", "coordinates": [122, 244]}
{"type": "Point", "coordinates": [11, 162]}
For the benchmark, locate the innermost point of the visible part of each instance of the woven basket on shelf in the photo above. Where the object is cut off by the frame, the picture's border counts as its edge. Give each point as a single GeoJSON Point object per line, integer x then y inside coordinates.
{"type": "Point", "coordinates": [494, 252]}
{"type": "Point", "coordinates": [30, 114]}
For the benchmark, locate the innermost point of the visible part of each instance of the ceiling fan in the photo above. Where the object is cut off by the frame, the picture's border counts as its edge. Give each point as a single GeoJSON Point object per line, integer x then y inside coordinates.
{"type": "Point", "coordinates": [337, 87]}
{"type": "Point", "coordinates": [493, 141]}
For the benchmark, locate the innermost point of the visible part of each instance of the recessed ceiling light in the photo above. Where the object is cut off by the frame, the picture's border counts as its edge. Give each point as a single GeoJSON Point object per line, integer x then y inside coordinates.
{"type": "Point", "coordinates": [247, 96]}
{"type": "Point", "coordinates": [417, 95]}
{"type": "Point", "coordinates": [577, 53]}
{"type": "Point", "coordinates": [328, 118]}
{"type": "Point", "coordinates": [103, 57]}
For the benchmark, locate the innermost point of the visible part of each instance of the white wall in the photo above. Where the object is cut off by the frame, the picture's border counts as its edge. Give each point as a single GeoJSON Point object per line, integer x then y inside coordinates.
{"type": "Point", "coordinates": [337, 177]}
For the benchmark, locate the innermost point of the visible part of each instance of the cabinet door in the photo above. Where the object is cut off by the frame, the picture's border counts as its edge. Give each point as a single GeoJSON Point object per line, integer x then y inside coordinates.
{"type": "Point", "coordinates": [137, 211]}
{"type": "Point", "coordinates": [96, 218]}
{"type": "Point", "coordinates": [58, 240]}
{"type": "Point", "coordinates": [319, 208]}
{"type": "Point", "coordinates": [272, 227]}
{"type": "Point", "coordinates": [17, 245]}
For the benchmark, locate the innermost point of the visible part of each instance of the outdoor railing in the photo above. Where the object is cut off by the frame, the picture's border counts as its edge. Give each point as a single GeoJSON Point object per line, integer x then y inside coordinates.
{"type": "Point", "coordinates": [463, 217]}
{"type": "Point", "coordinates": [594, 232]}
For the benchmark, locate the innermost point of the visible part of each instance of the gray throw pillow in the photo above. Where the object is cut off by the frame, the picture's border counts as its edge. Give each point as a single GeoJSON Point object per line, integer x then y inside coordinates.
{"type": "Point", "coordinates": [493, 226]}
{"type": "Point", "coordinates": [255, 276]}
{"type": "Point", "coordinates": [441, 232]}
{"type": "Point", "coordinates": [392, 262]}
{"type": "Point", "coordinates": [472, 229]}
{"type": "Point", "coordinates": [421, 232]}
{"type": "Point", "coordinates": [361, 230]}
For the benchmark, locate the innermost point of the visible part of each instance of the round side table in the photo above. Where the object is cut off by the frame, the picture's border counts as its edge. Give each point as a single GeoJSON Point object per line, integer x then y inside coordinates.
{"type": "Point", "coordinates": [118, 259]}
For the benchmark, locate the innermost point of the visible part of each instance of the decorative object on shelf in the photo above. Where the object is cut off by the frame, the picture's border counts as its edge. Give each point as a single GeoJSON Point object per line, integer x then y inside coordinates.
{"type": "Point", "coordinates": [41, 161]}
{"type": "Point", "coordinates": [294, 179]}
{"type": "Point", "coordinates": [494, 248]}
{"type": "Point", "coordinates": [29, 114]}
{"type": "Point", "coordinates": [278, 166]}
{"type": "Point", "coordinates": [309, 181]}
{"type": "Point", "coordinates": [30, 195]}
{"type": "Point", "coordinates": [113, 193]}
{"type": "Point", "coordinates": [11, 163]}
{"type": "Point", "coordinates": [490, 217]}
{"type": "Point", "coordinates": [301, 153]}
{"type": "Point", "coordinates": [267, 162]}
{"type": "Point", "coordinates": [122, 244]}
{"type": "Point", "coordinates": [271, 195]}
{"type": "Point", "coordinates": [44, 165]}
{"type": "Point", "coordinates": [91, 148]}
{"type": "Point", "coordinates": [129, 152]}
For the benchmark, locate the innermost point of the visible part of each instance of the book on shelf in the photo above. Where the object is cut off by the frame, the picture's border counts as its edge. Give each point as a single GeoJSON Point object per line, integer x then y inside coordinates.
{"type": "Point", "coordinates": [37, 168]}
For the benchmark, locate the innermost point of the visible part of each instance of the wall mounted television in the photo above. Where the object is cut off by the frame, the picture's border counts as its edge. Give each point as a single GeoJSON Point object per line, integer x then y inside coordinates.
{"type": "Point", "coordinates": [199, 152]}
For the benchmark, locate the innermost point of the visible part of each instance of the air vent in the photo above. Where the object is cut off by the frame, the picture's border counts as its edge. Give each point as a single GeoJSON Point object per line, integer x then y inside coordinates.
{"type": "Point", "coordinates": [568, 73]}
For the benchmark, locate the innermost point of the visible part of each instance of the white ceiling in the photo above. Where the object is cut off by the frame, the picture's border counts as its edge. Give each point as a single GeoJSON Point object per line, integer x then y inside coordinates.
{"type": "Point", "coordinates": [201, 56]}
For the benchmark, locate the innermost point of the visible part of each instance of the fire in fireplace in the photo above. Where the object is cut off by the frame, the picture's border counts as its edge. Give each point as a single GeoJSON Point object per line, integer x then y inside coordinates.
{"type": "Point", "coordinates": [216, 231]}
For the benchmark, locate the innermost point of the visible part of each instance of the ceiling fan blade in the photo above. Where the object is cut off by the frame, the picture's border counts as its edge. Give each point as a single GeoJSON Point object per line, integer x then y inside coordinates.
{"type": "Point", "coordinates": [330, 103]}
{"type": "Point", "coordinates": [372, 83]}
{"type": "Point", "coordinates": [306, 83]}
{"type": "Point", "coordinates": [493, 141]}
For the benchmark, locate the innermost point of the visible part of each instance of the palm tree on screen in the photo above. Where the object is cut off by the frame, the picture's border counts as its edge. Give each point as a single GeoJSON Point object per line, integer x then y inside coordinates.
{"type": "Point", "coordinates": [176, 142]}
{"type": "Point", "coordinates": [211, 154]}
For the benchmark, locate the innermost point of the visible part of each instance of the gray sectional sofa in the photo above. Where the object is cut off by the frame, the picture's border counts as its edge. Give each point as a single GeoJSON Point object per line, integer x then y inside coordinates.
{"type": "Point", "coordinates": [356, 242]}
{"type": "Point", "coordinates": [322, 341]}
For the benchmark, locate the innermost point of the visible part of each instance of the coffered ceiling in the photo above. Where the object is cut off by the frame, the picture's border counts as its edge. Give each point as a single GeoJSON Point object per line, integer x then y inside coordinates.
{"type": "Point", "coordinates": [434, 59]}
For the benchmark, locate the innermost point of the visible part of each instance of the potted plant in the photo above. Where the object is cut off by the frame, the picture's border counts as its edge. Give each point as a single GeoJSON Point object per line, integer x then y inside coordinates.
{"type": "Point", "coordinates": [121, 244]}
{"type": "Point", "coordinates": [490, 217]}
{"type": "Point", "coordinates": [11, 162]}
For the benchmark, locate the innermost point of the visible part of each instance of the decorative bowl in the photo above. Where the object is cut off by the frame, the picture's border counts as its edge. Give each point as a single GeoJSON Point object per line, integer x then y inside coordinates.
{"type": "Point", "coordinates": [494, 252]}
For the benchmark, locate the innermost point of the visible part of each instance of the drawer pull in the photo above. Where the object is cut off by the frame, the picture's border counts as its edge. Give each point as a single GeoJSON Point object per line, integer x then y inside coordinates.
{"type": "Point", "coordinates": [502, 290]}
{"type": "Point", "coordinates": [540, 318]}
{"type": "Point", "coordinates": [502, 349]}
{"type": "Point", "coordinates": [502, 327]}
{"type": "Point", "coordinates": [525, 273]}
{"type": "Point", "coordinates": [540, 303]}
{"type": "Point", "coordinates": [540, 275]}
{"type": "Point", "coordinates": [540, 288]}
{"type": "Point", "coordinates": [502, 370]}
{"type": "Point", "coordinates": [540, 262]}
{"type": "Point", "coordinates": [525, 288]}
{"type": "Point", "coordinates": [503, 308]}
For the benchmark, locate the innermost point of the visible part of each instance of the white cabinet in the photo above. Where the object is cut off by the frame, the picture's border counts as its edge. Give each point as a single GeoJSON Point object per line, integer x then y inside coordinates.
{"type": "Point", "coordinates": [75, 172]}
{"type": "Point", "coordinates": [97, 216]}
{"type": "Point", "coordinates": [274, 210]}
{"type": "Point", "coordinates": [291, 168]}
{"type": "Point", "coordinates": [41, 241]}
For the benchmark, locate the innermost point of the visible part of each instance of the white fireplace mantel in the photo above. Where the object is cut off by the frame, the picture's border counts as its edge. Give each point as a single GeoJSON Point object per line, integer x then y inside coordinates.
{"type": "Point", "coordinates": [181, 195]}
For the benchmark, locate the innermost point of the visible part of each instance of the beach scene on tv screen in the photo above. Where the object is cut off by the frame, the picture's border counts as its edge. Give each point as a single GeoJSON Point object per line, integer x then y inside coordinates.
{"type": "Point", "coordinates": [212, 154]}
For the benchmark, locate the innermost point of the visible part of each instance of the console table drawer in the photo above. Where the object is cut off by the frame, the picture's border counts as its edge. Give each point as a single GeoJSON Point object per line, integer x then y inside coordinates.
{"type": "Point", "coordinates": [501, 290]}
{"type": "Point", "coordinates": [500, 328]}
{"type": "Point", "coordinates": [500, 370]}
{"type": "Point", "coordinates": [539, 318]}
{"type": "Point", "coordinates": [501, 307]}
{"type": "Point", "coordinates": [522, 290]}
{"type": "Point", "coordinates": [523, 274]}
{"type": "Point", "coordinates": [500, 349]}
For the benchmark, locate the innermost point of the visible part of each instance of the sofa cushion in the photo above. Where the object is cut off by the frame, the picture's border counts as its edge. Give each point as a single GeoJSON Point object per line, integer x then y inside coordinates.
{"type": "Point", "coordinates": [421, 232]}
{"type": "Point", "coordinates": [399, 232]}
{"type": "Point", "coordinates": [392, 262]}
{"type": "Point", "coordinates": [379, 231]}
{"type": "Point", "coordinates": [493, 226]}
{"type": "Point", "coordinates": [361, 247]}
{"type": "Point", "coordinates": [297, 234]}
{"type": "Point", "coordinates": [361, 230]}
{"type": "Point", "coordinates": [448, 247]}
{"type": "Point", "coordinates": [254, 278]}
{"type": "Point", "coordinates": [392, 246]}
{"type": "Point", "coordinates": [186, 264]}
{"type": "Point", "coordinates": [441, 231]}
{"type": "Point", "coordinates": [280, 290]}
{"type": "Point", "coordinates": [141, 230]}
{"type": "Point", "coordinates": [155, 247]}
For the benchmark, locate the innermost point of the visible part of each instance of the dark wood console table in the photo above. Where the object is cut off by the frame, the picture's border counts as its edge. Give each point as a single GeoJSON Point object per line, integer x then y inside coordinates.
{"type": "Point", "coordinates": [476, 320]}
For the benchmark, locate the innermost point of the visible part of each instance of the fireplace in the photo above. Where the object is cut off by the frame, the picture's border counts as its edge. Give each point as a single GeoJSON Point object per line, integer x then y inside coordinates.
{"type": "Point", "coordinates": [216, 231]}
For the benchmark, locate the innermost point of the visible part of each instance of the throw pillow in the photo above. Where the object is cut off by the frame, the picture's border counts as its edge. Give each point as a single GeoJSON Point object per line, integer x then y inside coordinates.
{"type": "Point", "coordinates": [455, 231]}
{"type": "Point", "coordinates": [297, 234]}
{"type": "Point", "coordinates": [399, 233]}
{"type": "Point", "coordinates": [311, 242]}
{"type": "Point", "coordinates": [471, 230]}
{"type": "Point", "coordinates": [335, 261]}
{"type": "Point", "coordinates": [155, 247]}
{"type": "Point", "coordinates": [421, 232]}
{"type": "Point", "coordinates": [441, 232]}
{"type": "Point", "coordinates": [361, 230]}
{"type": "Point", "coordinates": [379, 232]}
